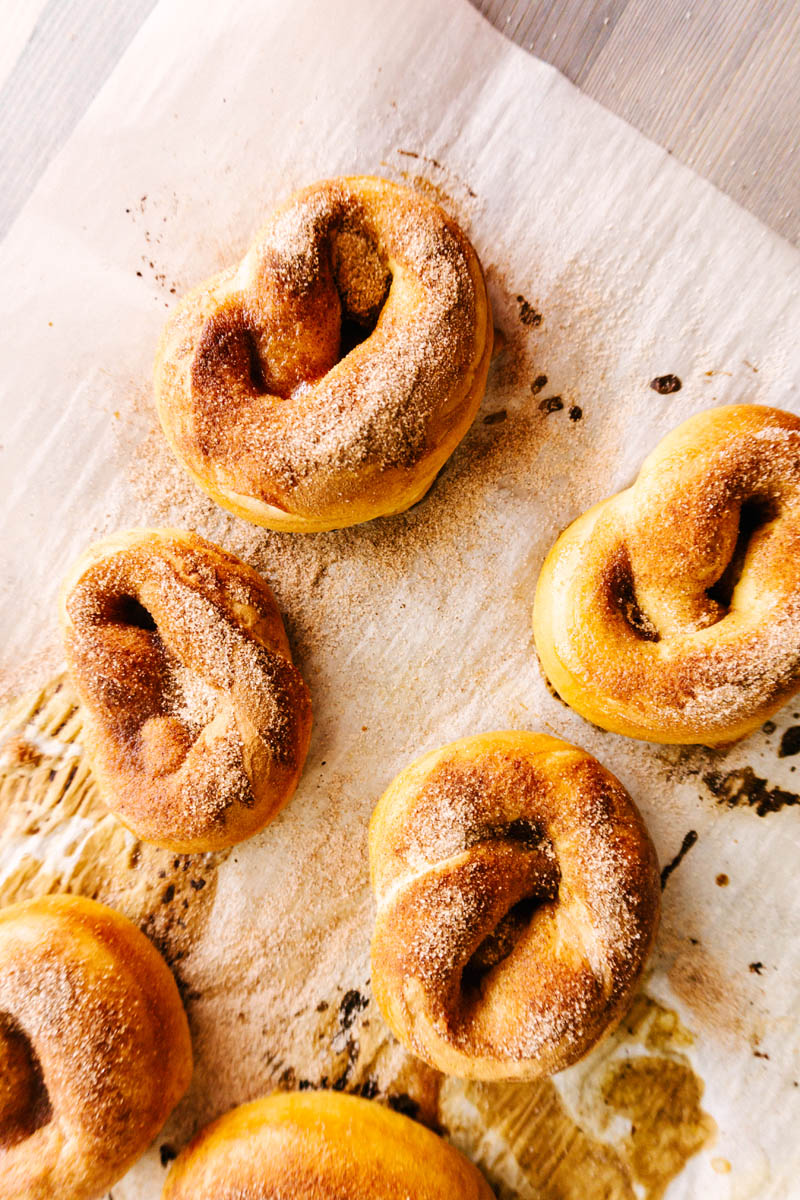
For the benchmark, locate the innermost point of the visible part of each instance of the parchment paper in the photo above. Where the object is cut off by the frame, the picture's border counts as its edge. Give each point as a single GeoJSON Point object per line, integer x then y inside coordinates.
{"type": "Point", "coordinates": [608, 264]}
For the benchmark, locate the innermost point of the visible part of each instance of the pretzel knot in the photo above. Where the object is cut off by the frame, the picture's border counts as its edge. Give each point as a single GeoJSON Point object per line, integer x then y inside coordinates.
{"type": "Point", "coordinates": [328, 377]}
{"type": "Point", "coordinates": [197, 722]}
{"type": "Point", "coordinates": [671, 611]}
{"type": "Point", "coordinates": [94, 1048]}
{"type": "Point", "coordinates": [517, 900]}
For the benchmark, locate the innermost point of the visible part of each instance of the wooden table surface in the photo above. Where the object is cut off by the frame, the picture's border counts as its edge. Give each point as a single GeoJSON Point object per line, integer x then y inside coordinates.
{"type": "Point", "coordinates": [717, 82]}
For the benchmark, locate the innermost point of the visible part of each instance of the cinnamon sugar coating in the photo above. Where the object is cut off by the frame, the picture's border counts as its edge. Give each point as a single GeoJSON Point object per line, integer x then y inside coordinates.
{"type": "Point", "coordinates": [268, 405]}
{"type": "Point", "coordinates": [321, 1146]}
{"type": "Point", "coordinates": [97, 1042]}
{"type": "Point", "coordinates": [197, 721]}
{"type": "Point", "coordinates": [671, 611]}
{"type": "Point", "coordinates": [517, 897]}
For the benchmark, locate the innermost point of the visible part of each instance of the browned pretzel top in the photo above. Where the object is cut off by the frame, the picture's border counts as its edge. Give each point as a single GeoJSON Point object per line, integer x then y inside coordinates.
{"type": "Point", "coordinates": [327, 377]}
{"type": "Point", "coordinates": [672, 610]}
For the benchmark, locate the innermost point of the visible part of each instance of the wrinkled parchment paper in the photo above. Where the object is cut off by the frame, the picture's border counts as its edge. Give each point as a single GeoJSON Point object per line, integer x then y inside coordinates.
{"type": "Point", "coordinates": [608, 264]}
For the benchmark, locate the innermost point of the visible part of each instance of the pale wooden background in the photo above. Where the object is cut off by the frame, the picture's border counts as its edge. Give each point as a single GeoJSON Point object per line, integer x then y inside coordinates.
{"type": "Point", "coordinates": [717, 82]}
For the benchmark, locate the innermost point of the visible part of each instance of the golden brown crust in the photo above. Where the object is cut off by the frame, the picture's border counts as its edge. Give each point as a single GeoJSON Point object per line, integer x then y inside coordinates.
{"type": "Point", "coordinates": [517, 900]}
{"type": "Point", "coordinates": [197, 722]}
{"type": "Point", "coordinates": [320, 1146]}
{"type": "Point", "coordinates": [93, 1022]}
{"type": "Point", "coordinates": [634, 619]}
{"type": "Point", "coordinates": [254, 397]}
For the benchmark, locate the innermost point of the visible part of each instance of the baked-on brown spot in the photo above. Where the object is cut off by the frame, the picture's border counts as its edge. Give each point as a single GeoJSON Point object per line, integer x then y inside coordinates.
{"type": "Point", "coordinates": [741, 787]}
{"type": "Point", "coordinates": [329, 377]}
{"type": "Point", "coordinates": [665, 385]}
{"type": "Point", "coordinates": [517, 898]}
{"type": "Point", "coordinates": [790, 742]}
{"type": "Point", "coordinates": [528, 315]}
{"type": "Point", "coordinates": [671, 611]}
{"type": "Point", "coordinates": [197, 721]}
{"type": "Point", "coordinates": [551, 404]}
{"type": "Point", "coordinates": [690, 839]}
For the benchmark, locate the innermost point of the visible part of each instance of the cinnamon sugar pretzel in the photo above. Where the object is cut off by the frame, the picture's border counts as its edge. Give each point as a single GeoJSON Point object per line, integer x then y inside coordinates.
{"type": "Point", "coordinates": [197, 722]}
{"type": "Point", "coordinates": [517, 897]}
{"type": "Point", "coordinates": [326, 378]}
{"type": "Point", "coordinates": [671, 611]}
{"type": "Point", "coordinates": [94, 1048]}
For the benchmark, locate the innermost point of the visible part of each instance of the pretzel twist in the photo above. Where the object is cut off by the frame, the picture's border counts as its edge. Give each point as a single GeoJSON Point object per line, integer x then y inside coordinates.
{"type": "Point", "coordinates": [94, 1048]}
{"type": "Point", "coordinates": [321, 1146]}
{"type": "Point", "coordinates": [327, 378]}
{"type": "Point", "coordinates": [197, 723]}
{"type": "Point", "coordinates": [517, 897]}
{"type": "Point", "coordinates": [671, 611]}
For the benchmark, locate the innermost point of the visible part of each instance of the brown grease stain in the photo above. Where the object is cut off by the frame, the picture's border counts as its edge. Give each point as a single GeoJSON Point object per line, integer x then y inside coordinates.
{"type": "Point", "coordinates": [662, 1100]}
{"type": "Point", "coordinates": [655, 1027]}
{"type": "Point", "coordinates": [167, 895]}
{"type": "Point", "coordinates": [539, 1150]}
{"type": "Point", "coordinates": [545, 1155]}
{"type": "Point", "coordinates": [708, 990]}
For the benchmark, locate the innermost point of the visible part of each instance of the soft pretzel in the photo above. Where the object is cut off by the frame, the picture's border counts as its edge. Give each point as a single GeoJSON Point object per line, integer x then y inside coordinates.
{"type": "Point", "coordinates": [94, 1048]}
{"type": "Point", "coordinates": [197, 723]}
{"type": "Point", "coordinates": [517, 897]}
{"type": "Point", "coordinates": [671, 611]}
{"type": "Point", "coordinates": [320, 1145]}
{"type": "Point", "coordinates": [269, 405]}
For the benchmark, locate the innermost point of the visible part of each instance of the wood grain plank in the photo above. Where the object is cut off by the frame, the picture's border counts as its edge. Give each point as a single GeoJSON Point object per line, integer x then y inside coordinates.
{"type": "Point", "coordinates": [717, 84]}
{"type": "Point", "coordinates": [70, 51]}
{"type": "Point", "coordinates": [568, 35]}
{"type": "Point", "coordinates": [19, 19]}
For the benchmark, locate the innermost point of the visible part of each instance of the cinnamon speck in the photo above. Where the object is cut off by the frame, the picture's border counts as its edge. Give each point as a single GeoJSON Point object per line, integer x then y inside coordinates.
{"type": "Point", "coordinates": [665, 385]}
{"type": "Point", "coordinates": [551, 404]}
